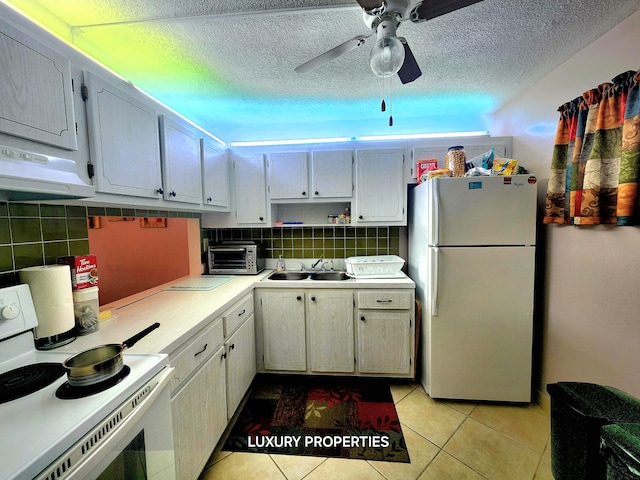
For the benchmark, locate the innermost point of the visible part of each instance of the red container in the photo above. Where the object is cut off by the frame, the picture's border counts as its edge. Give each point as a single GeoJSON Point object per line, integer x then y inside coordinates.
{"type": "Point", "coordinates": [84, 270]}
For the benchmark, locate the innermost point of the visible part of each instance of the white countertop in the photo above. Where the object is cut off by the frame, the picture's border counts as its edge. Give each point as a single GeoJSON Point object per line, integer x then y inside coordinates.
{"type": "Point", "coordinates": [182, 314]}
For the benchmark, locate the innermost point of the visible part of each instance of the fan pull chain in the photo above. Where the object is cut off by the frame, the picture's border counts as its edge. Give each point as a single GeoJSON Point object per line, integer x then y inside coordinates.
{"type": "Point", "coordinates": [391, 103]}
{"type": "Point", "coordinates": [383, 105]}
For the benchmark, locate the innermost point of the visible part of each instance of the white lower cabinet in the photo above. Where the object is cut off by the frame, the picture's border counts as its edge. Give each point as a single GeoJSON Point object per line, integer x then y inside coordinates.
{"type": "Point", "coordinates": [240, 351]}
{"type": "Point", "coordinates": [283, 330]}
{"type": "Point", "coordinates": [328, 331]}
{"type": "Point", "coordinates": [385, 332]}
{"type": "Point", "coordinates": [199, 416]}
{"type": "Point", "coordinates": [212, 374]}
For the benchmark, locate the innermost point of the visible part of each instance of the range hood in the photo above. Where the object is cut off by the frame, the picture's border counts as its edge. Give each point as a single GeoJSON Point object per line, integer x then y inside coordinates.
{"type": "Point", "coordinates": [33, 176]}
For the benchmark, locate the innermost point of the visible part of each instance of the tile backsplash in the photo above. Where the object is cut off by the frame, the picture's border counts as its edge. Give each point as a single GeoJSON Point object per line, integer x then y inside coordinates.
{"type": "Point", "coordinates": [37, 233]}
{"type": "Point", "coordinates": [314, 242]}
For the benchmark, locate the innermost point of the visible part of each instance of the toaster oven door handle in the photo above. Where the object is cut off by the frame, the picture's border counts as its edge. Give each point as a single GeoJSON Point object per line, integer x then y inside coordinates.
{"type": "Point", "coordinates": [228, 250]}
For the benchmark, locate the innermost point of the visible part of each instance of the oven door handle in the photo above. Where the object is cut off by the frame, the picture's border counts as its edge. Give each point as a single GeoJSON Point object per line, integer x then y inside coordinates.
{"type": "Point", "coordinates": [110, 431]}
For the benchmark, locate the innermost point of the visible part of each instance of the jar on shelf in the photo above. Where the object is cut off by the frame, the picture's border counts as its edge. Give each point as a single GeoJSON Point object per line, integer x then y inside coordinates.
{"type": "Point", "coordinates": [456, 159]}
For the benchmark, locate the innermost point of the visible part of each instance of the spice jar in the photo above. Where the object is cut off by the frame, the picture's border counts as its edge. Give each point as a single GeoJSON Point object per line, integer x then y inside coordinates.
{"type": "Point", "coordinates": [456, 159]}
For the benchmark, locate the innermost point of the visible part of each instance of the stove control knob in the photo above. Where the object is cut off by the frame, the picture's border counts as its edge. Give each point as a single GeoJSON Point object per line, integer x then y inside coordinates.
{"type": "Point", "coordinates": [9, 312]}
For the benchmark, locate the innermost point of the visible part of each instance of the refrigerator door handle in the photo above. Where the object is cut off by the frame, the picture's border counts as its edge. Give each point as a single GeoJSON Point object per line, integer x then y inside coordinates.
{"type": "Point", "coordinates": [435, 212]}
{"type": "Point", "coordinates": [434, 282]}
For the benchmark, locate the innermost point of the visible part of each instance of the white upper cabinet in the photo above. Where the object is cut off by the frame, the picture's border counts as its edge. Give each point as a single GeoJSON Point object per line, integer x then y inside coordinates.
{"type": "Point", "coordinates": [381, 193]}
{"type": "Point", "coordinates": [215, 175]}
{"type": "Point", "coordinates": [318, 175]}
{"type": "Point", "coordinates": [123, 139]}
{"type": "Point", "coordinates": [181, 162]}
{"type": "Point", "coordinates": [250, 190]}
{"type": "Point", "coordinates": [288, 175]}
{"type": "Point", "coordinates": [35, 91]}
{"type": "Point", "coordinates": [332, 174]}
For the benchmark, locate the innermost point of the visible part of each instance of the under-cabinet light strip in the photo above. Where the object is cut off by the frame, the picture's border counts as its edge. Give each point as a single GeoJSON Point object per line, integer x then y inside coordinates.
{"type": "Point", "coordinates": [410, 136]}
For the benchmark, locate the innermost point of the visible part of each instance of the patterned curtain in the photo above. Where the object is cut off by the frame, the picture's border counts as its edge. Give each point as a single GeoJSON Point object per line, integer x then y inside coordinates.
{"type": "Point", "coordinates": [595, 167]}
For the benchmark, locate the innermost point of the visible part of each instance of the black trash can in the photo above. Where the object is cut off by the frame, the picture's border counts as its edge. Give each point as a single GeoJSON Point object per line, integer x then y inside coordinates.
{"type": "Point", "coordinates": [578, 411]}
{"type": "Point", "coordinates": [620, 447]}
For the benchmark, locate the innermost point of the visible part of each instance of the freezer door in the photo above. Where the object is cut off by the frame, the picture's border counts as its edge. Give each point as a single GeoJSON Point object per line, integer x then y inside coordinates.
{"type": "Point", "coordinates": [483, 211]}
{"type": "Point", "coordinates": [478, 328]}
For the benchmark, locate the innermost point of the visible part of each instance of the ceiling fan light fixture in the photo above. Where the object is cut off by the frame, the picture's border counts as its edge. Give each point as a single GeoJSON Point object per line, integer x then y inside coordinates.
{"type": "Point", "coordinates": [387, 56]}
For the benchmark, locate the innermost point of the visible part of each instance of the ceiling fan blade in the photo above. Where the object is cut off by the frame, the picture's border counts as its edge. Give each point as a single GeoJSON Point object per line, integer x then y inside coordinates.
{"type": "Point", "coordinates": [370, 4]}
{"type": "Point", "coordinates": [410, 70]}
{"type": "Point", "coordinates": [335, 52]}
{"type": "Point", "coordinates": [434, 8]}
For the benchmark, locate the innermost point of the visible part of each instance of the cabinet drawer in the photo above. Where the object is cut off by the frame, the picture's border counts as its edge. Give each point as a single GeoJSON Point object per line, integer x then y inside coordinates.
{"type": "Point", "coordinates": [189, 359]}
{"type": "Point", "coordinates": [238, 314]}
{"type": "Point", "coordinates": [387, 299]}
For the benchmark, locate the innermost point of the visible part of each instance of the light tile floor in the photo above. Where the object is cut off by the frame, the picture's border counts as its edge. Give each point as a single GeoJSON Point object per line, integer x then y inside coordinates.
{"type": "Point", "coordinates": [446, 440]}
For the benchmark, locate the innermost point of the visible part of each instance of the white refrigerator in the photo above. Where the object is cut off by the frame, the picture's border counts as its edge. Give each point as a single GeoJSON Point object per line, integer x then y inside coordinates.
{"type": "Point", "coordinates": [472, 257]}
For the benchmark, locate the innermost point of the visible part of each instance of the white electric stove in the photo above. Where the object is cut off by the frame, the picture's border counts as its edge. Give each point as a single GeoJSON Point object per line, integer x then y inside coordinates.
{"type": "Point", "coordinates": [45, 433]}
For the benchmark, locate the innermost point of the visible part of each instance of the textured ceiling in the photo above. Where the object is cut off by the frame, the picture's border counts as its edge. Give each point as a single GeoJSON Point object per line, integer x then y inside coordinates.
{"type": "Point", "coordinates": [229, 64]}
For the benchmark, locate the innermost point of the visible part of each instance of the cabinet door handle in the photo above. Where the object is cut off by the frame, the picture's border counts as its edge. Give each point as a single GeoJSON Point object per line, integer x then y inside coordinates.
{"type": "Point", "coordinates": [261, 219]}
{"type": "Point", "coordinates": [316, 193]}
{"type": "Point", "coordinates": [172, 193]}
{"type": "Point", "coordinates": [313, 299]}
{"type": "Point", "coordinates": [209, 199]}
{"type": "Point", "coordinates": [360, 217]}
{"type": "Point", "coordinates": [362, 318]}
{"type": "Point", "coordinates": [223, 356]}
{"type": "Point", "coordinates": [160, 191]}
{"type": "Point", "coordinates": [242, 312]}
{"type": "Point", "coordinates": [384, 301]}
{"type": "Point", "coordinates": [232, 346]}
{"type": "Point", "coordinates": [304, 193]}
{"type": "Point", "coordinates": [201, 351]}
{"type": "Point", "coordinates": [298, 297]}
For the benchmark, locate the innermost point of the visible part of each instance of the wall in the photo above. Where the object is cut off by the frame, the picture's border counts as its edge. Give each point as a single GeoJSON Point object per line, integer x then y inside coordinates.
{"type": "Point", "coordinates": [314, 242]}
{"type": "Point", "coordinates": [588, 277]}
{"type": "Point", "coordinates": [132, 259]}
{"type": "Point", "coordinates": [37, 234]}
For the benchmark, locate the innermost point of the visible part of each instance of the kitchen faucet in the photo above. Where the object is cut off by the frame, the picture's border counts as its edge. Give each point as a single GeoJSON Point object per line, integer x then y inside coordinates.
{"type": "Point", "coordinates": [314, 265]}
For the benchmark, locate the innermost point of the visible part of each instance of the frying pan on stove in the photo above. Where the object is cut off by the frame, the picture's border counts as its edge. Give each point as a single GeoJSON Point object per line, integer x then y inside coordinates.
{"type": "Point", "coordinates": [100, 363]}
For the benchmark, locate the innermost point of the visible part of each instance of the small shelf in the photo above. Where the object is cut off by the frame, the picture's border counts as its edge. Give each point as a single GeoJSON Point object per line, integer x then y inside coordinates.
{"type": "Point", "coordinates": [312, 215]}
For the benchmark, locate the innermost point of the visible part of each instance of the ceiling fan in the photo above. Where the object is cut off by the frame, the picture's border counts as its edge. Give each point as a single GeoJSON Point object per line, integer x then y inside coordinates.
{"type": "Point", "coordinates": [390, 54]}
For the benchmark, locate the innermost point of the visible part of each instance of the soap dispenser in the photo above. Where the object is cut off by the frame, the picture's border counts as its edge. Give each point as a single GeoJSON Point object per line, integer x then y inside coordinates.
{"type": "Point", "coordinates": [280, 264]}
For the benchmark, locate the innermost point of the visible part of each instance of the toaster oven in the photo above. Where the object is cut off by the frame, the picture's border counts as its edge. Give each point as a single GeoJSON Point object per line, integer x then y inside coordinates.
{"type": "Point", "coordinates": [238, 258]}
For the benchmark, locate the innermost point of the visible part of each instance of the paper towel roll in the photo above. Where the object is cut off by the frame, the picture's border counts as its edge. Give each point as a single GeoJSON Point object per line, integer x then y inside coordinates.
{"type": "Point", "coordinates": [50, 287]}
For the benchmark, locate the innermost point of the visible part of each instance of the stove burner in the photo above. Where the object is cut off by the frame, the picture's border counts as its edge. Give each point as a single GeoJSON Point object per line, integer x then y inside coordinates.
{"type": "Point", "coordinates": [25, 380]}
{"type": "Point", "coordinates": [71, 392]}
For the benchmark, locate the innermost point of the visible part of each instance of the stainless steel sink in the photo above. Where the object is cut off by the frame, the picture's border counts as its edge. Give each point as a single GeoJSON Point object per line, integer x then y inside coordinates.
{"type": "Point", "coordinates": [288, 276]}
{"type": "Point", "coordinates": [329, 276]}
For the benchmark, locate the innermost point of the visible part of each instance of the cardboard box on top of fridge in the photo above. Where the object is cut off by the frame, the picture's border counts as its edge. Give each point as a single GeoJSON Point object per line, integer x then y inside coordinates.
{"type": "Point", "coordinates": [84, 270]}
{"type": "Point", "coordinates": [424, 166]}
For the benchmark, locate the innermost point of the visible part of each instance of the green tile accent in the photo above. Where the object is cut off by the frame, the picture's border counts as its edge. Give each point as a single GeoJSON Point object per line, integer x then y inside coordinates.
{"type": "Point", "coordinates": [113, 212]}
{"type": "Point", "coordinates": [74, 211]}
{"type": "Point", "coordinates": [78, 247]}
{"type": "Point", "coordinates": [53, 250]}
{"type": "Point", "coordinates": [77, 227]}
{"type": "Point", "coordinates": [25, 230]}
{"type": "Point", "coordinates": [54, 229]}
{"type": "Point", "coordinates": [5, 233]}
{"type": "Point", "coordinates": [6, 259]}
{"type": "Point", "coordinates": [23, 210]}
{"type": "Point", "coordinates": [28, 255]}
{"type": "Point", "coordinates": [52, 211]}
{"type": "Point", "coordinates": [96, 211]}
